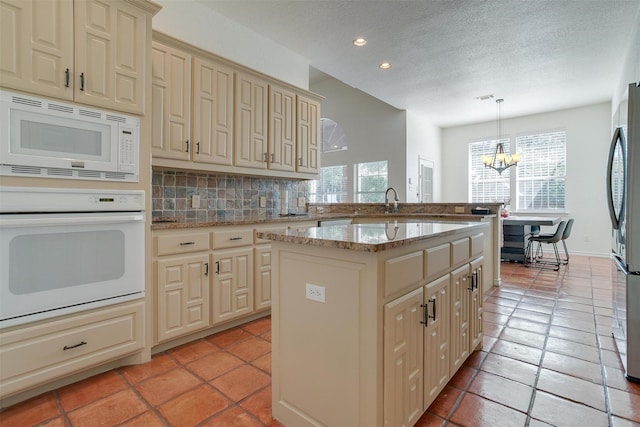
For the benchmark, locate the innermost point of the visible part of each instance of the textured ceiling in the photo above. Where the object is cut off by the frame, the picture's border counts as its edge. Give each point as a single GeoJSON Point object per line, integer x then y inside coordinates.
{"type": "Point", "coordinates": [539, 55]}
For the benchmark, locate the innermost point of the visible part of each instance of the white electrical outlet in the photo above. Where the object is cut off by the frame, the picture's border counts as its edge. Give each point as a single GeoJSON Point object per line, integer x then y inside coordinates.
{"type": "Point", "coordinates": [315, 293]}
{"type": "Point", "coordinates": [301, 202]}
{"type": "Point", "coordinates": [459, 209]}
{"type": "Point", "coordinates": [263, 202]}
{"type": "Point", "coordinates": [195, 201]}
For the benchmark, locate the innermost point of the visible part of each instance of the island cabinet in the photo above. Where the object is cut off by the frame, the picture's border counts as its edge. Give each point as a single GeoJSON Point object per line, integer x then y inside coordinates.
{"type": "Point", "coordinates": [367, 336]}
{"type": "Point", "coordinates": [88, 51]}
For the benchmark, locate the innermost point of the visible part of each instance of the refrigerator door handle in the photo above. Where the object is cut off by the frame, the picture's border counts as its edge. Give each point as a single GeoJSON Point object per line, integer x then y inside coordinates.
{"type": "Point", "coordinates": [616, 218]}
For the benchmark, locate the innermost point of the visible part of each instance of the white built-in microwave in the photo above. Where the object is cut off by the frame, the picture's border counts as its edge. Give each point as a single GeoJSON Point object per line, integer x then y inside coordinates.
{"type": "Point", "coordinates": [48, 138]}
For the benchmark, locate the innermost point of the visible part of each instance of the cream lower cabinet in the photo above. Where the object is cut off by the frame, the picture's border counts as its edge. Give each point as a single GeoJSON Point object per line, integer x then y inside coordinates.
{"type": "Point", "coordinates": [89, 51]}
{"type": "Point", "coordinates": [232, 283]}
{"type": "Point", "coordinates": [33, 355]}
{"type": "Point", "coordinates": [475, 304]}
{"type": "Point", "coordinates": [263, 259]}
{"type": "Point", "coordinates": [182, 272]}
{"type": "Point", "coordinates": [403, 359]}
{"type": "Point", "coordinates": [460, 283]}
{"type": "Point", "coordinates": [183, 295]}
{"type": "Point", "coordinates": [437, 311]}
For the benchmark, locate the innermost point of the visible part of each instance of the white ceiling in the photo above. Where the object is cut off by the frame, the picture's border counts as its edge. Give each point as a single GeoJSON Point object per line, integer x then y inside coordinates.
{"type": "Point", "coordinates": [539, 55]}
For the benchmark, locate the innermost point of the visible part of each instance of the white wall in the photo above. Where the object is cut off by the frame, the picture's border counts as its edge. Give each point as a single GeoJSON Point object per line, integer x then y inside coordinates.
{"type": "Point", "coordinates": [423, 140]}
{"type": "Point", "coordinates": [194, 23]}
{"type": "Point", "coordinates": [374, 130]}
{"type": "Point", "coordinates": [588, 135]}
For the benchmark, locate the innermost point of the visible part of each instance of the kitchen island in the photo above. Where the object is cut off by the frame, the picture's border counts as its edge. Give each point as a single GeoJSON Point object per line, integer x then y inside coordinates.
{"type": "Point", "coordinates": [371, 320]}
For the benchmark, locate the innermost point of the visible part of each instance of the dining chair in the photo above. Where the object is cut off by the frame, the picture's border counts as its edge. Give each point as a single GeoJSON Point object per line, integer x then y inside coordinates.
{"type": "Point", "coordinates": [552, 240]}
{"type": "Point", "coordinates": [565, 235]}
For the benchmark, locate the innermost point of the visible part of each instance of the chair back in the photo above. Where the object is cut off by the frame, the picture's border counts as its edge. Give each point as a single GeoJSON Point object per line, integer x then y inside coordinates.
{"type": "Point", "coordinates": [567, 229]}
{"type": "Point", "coordinates": [557, 236]}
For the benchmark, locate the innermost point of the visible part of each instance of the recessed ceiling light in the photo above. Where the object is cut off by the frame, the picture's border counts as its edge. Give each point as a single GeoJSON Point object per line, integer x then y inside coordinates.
{"type": "Point", "coordinates": [360, 42]}
{"type": "Point", "coordinates": [385, 65]}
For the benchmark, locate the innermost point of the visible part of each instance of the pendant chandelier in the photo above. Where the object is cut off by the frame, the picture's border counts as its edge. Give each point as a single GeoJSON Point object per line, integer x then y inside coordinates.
{"type": "Point", "coordinates": [500, 161]}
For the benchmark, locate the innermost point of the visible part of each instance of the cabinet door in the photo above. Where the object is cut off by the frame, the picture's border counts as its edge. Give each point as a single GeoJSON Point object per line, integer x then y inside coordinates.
{"type": "Point", "coordinates": [475, 306]}
{"type": "Point", "coordinates": [233, 283]}
{"type": "Point", "coordinates": [251, 121]}
{"type": "Point", "coordinates": [263, 256]}
{"type": "Point", "coordinates": [171, 102]}
{"type": "Point", "coordinates": [459, 340]}
{"type": "Point", "coordinates": [282, 129]}
{"type": "Point", "coordinates": [403, 360]}
{"type": "Point", "coordinates": [37, 46]}
{"type": "Point", "coordinates": [182, 295]}
{"type": "Point", "coordinates": [212, 112]}
{"type": "Point", "coordinates": [308, 135]}
{"type": "Point", "coordinates": [110, 54]}
{"type": "Point", "coordinates": [436, 338]}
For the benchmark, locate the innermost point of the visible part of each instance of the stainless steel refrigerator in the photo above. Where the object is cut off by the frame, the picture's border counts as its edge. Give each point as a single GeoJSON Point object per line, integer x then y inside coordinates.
{"type": "Point", "coordinates": [623, 191]}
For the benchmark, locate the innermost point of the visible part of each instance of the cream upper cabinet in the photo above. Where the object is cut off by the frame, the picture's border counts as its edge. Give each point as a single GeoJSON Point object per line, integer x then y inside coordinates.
{"type": "Point", "coordinates": [93, 52]}
{"type": "Point", "coordinates": [36, 54]}
{"type": "Point", "coordinates": [251, 101]}
{"type": "Point", "coordinates": [212, 112]}
{"type": "Point", "coordinates": [308, 135]}
{"type": "Point", "coordinates": [171, 102]}
{"type": "Point", "coordinates": [110, 39]}
{"type": "Point", "coordinates": [282, 129]}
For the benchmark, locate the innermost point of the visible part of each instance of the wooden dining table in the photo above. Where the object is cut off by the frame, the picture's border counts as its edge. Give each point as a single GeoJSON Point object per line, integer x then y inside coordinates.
{"type": "Point", "coordinates": [516, 231]}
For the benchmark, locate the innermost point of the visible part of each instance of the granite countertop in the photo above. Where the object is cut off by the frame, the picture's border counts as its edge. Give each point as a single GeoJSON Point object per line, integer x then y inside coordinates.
{"type": "Point", "coordinates": [369, 237]}
{"type": "Point", "coordinates": [169, 224]}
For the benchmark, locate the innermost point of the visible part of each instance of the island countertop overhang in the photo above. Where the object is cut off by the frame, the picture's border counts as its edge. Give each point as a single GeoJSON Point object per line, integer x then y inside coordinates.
{"type": "Point", "coordinates": [371, 236]}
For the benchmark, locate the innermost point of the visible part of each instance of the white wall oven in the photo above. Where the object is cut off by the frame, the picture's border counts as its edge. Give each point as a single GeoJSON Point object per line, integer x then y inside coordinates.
{"type": "Point", "coordinates": [68, 250]}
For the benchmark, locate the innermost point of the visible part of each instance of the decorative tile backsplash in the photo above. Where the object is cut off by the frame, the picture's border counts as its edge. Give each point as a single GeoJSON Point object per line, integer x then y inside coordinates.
{"type": "Point", "coordinates": [222, 197]}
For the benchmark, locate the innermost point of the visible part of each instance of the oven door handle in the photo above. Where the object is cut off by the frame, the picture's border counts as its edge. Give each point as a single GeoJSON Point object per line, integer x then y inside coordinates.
{"type": "Point", "coordinates": [77, 219]}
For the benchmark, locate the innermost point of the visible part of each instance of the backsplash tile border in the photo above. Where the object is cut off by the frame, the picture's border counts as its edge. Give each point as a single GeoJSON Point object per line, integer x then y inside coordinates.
{"type": "Point", "coordinates": [223, 197]}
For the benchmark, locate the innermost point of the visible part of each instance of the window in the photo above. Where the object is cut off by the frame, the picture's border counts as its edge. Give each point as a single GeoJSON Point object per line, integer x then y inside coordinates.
{"type": "Point", "coordinates": [541, 171]}
{"type": "Point", "coordinates": [487, 185]}
{"type": "Point", "coordinates": [371, 181]}
{"type": "Point", "coordinates": [331, 187]}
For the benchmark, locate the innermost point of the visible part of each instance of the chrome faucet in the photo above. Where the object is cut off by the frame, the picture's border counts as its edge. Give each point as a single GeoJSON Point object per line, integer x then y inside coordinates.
{"type": "Point", "coordinates": [395, 200]}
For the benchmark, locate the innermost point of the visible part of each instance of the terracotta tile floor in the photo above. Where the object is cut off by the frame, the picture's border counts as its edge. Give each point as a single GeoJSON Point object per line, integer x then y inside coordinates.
{"type": "Point", "coordinates": [548, 359]}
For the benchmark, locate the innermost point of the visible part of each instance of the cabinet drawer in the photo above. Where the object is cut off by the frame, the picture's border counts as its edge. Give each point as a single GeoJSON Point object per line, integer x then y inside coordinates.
{"type": "Point", "coordinates": [181, 243]}
{"type": "Point", "coordinates": [437, 261]}
{"type": "Point", "coordinates": [232, 238]}
{"type": "Point", "coordinates": [477, 244]}
{"type": "Point", "coordinates": [459, 251]}
{"type": "Point", "coordinates": [34, 355]}
{"type": "Point", "coordinates": [402, 272]}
